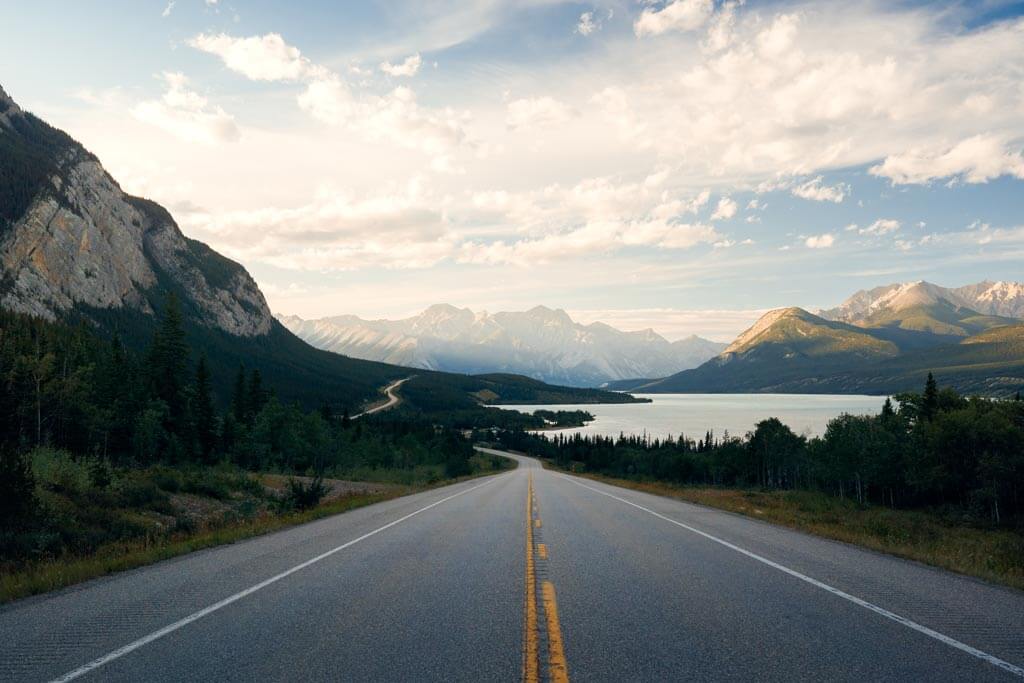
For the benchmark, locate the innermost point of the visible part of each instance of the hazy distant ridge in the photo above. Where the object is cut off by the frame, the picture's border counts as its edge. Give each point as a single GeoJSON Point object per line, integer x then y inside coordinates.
{"type": "Point", "coordinates": [542, 343]}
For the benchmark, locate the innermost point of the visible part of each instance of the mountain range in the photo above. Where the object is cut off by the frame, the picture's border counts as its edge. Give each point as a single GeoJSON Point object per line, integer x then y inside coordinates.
{"type": "Point", "coordinates": [75, 248]}
{"type": "Point", "coordinates": [882, 340]}
{"type": "Point", "coordinates": [541, 343]}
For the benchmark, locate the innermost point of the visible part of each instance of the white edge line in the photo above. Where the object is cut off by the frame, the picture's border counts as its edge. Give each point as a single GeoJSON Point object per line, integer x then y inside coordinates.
{"type": "Point", "coordinates": [952, 642]}
{"type": "Point", "coordinates": [195, 616]}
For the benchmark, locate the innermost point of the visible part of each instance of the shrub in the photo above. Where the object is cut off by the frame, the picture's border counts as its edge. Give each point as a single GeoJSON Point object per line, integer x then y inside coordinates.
{"type": "Point", "coordinates": [302, 496]}
{"type": "Point", "coordinates": [17, 489]}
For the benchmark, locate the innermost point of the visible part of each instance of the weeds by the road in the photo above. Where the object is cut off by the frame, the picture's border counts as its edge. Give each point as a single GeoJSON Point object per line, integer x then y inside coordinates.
{"type": "Point", "coordinates": [96, 526]}
{"type": "Point", "coordinates": [942, 540]}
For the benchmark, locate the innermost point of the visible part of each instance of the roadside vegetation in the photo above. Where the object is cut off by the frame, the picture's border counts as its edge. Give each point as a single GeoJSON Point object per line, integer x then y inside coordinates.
{"type": "Point", "coordinates": [110, 460]}
{"type": "Point", "coordinates": [935, 477]}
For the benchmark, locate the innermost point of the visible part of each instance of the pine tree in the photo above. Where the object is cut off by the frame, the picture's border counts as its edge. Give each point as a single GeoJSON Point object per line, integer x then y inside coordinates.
{"type": "Point", "coordinates": [204, 414]}
{"type": "Point", "coordinates": [257, 396]}
{"type": "Point", "coordinates": [240, 396]}
{"type": "Point", "coordinates": [167, 363]}
{"type": "Point", "coordinates": [887, 410]}
{"type": "Point", "coordinates": [930, 400]}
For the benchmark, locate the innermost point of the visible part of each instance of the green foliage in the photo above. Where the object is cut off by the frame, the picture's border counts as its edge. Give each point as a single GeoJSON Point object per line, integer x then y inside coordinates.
{"type": "Point", "coordinates": [304, 495]}
{"type": "Point", "coordinates": [17, 490]}
{"type": "Point", "coordinates": [937, 449]}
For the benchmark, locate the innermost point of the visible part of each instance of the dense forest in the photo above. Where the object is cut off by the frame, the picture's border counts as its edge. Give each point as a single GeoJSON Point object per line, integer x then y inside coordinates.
{"type": "Point", "coordinates": [929, 449]}
{"type": "Point", "coordinates": [73, 402]}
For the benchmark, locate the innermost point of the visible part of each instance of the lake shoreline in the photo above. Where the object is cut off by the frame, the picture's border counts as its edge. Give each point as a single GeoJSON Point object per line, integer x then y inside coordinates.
{"type": "Point", "coordinates": [693, 415]}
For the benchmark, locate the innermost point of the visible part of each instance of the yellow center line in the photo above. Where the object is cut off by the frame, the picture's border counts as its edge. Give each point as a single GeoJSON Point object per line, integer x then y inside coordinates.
{"type": "Point", "coordinates": [530, 650]}
{"type": "Point", "coordinates": [557, 668]}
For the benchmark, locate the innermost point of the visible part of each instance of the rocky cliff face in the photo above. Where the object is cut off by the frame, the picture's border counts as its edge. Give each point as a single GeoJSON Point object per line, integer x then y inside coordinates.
{"type": "Point", "coordinates": [70, 239]}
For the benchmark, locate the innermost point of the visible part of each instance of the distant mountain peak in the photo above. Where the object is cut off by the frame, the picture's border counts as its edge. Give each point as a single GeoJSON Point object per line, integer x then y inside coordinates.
{"type": "Point", "coordinates": [542, 342]}
{"type": "Point", "coordinates": [987, 297]}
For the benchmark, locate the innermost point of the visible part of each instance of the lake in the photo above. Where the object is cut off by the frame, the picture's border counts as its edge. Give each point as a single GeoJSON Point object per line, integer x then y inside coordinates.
{"type": "Point", "coordinates": [695, 414]}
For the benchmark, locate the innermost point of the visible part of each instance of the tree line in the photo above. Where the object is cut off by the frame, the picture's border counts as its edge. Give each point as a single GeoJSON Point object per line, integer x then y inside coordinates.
{"type": "Point", "coordinates": [64, 388]}
{"type": "Point", "coordinates": [934, 448]}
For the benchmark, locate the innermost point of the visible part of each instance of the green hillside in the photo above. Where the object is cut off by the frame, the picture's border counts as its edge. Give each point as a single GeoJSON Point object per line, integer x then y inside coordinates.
{"type": "Point", "coordinates": [793, 351]}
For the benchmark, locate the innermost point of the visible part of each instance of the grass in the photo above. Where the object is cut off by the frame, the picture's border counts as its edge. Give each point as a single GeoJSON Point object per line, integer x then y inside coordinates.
{"type": "Point", "coordinates": [19, 580]}
{"type": "Point", "coordinates": [944, 541]}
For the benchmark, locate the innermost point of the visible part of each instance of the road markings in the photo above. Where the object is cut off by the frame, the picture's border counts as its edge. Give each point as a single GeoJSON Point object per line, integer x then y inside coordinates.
{"type": "Point", "coordinates": [195, 616]}
{"type": "Point", "coordinates": [558, 671]}
{"type": "Point", "coordinates": [530, 660]}
{"type": "Point", "coordinates": [942, 638]}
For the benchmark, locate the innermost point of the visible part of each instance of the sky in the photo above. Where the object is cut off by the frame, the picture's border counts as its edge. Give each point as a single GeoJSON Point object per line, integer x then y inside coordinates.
{"type": "Point", "coordinates": [683, 165]}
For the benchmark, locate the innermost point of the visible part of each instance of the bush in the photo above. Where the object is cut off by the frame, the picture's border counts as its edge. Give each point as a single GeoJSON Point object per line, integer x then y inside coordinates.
{"type": "Point", "coordinates": [17, 489]}
{"type": "Point", "coordinates": [302, 496]}
{"type": "Point", "coordinates": [139, 492]}
{"type": "Point", "coordinates": [58, 470]}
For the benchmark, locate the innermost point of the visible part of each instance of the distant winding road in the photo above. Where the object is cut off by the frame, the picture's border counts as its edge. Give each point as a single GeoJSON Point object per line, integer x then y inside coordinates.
{"type": "Point", "coordinates": [526, 575]}
{"type": "Point", "coordinates": [393, 398]}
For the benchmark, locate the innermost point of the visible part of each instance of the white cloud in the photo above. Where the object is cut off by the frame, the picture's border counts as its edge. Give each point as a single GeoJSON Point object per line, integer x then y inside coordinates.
{"type": "Point", "coordinates": [798, 93]}
{"type": "Point", "coordinates": [403, 228]}
{"type": "Point", "coordinates": [593, 237]}
{"type": "Point", "coordinates": [537, 111]}
{"type": "Point", "coordinates": [395, 116]}
{"type": "Point", "coordinates": [720, 32]}
{"type": "Point", "coordinates": [814, 190]}
{"type": "Point", "coordinates": [673, 323]}
{"type": "Point", "coordinates": [977, 159]}
{"type": "Point", "coordinates": [167, 10]}
{"type": "Point", "coordinates": [883, 226]}
{"type": "Point", "coordinates": [187, 114]}
{"type": "Point", "coordinates": [820, 241]}
{"type": "Point", "coordinates": [725, 210]}
{"type": "Point", "coordinates": [409, 67]}
{"type": "Point", "coordinates": [587, 25]}
{"type": "Point", "coordinates": [676, 15]}
{"type": "Point", "coordinates": [259, 58]}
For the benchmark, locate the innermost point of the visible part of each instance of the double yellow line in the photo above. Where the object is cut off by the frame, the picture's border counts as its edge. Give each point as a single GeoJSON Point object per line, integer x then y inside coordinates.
{"type": "Point", "coordinates": [557, 669]}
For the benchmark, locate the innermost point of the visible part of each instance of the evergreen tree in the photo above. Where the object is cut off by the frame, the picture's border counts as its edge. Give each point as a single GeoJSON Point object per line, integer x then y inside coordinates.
{"type": "Point", "coordinates": [930, 399]}
{"type": "Point", "coordinates": [887, 410]}
{"type": "Point", "coordinates": [204, 414]}
{"type": "Point", "coordinates": [167, 363]}
{"type": "Point", "coordinates": [239, 396]}
{"type": "Point", "coordinates": [257, 395]}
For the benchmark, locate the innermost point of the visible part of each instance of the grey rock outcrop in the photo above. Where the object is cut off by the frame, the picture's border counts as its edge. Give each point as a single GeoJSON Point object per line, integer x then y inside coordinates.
{"type": "Point", "coordinates": [84, 244]}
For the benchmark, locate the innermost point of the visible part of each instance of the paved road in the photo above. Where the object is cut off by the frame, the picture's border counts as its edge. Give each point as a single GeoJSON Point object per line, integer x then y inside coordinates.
{"type": "Point", "coordinates": [528, 571]}
{"type": "Point", "coordinates": [394, 399]}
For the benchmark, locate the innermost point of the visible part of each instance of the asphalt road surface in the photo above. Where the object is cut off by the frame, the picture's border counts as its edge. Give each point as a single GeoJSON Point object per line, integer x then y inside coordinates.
{"type": "Point", "coordinates": [529, 575]}
{"type": "Point", "coordinates": [393, 398]}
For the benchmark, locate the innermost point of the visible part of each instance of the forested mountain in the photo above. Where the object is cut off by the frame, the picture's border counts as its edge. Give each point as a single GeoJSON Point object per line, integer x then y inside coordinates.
{"type": "Point", "coordinates": [75, 248]}
{"type": "Point", "coordinates": [541, 343]}
{"type": "Point", "coordinates": [895, 338]}
{"type": "Point", "coordinates": [907, 300]}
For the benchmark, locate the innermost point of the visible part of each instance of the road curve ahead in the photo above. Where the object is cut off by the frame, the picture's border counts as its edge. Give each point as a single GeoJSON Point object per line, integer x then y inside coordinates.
{"type": "Point", "coordinates": [528, 575]}
{"type": "Point", "coordinates": [391, 391]}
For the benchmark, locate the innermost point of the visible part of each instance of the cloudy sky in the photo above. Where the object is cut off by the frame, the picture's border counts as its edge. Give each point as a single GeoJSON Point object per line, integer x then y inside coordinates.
{"type": "Point", "coordinates": [679, 164]}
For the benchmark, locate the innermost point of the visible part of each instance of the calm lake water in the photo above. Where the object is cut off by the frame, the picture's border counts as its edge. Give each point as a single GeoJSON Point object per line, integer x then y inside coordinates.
{"type": "Point", "coordinates": [695, 414]}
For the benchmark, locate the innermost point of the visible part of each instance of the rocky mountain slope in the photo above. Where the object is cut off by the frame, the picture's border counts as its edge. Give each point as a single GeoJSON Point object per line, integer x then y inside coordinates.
{"type": "Point", "coordinates": [75, 241]}
{"type": "Point", "coordinates": [1004, 299]}
{"type": "Point", "coordinates": [541, 343]}
{"type": "Point", "coordinates": [879, 341]}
